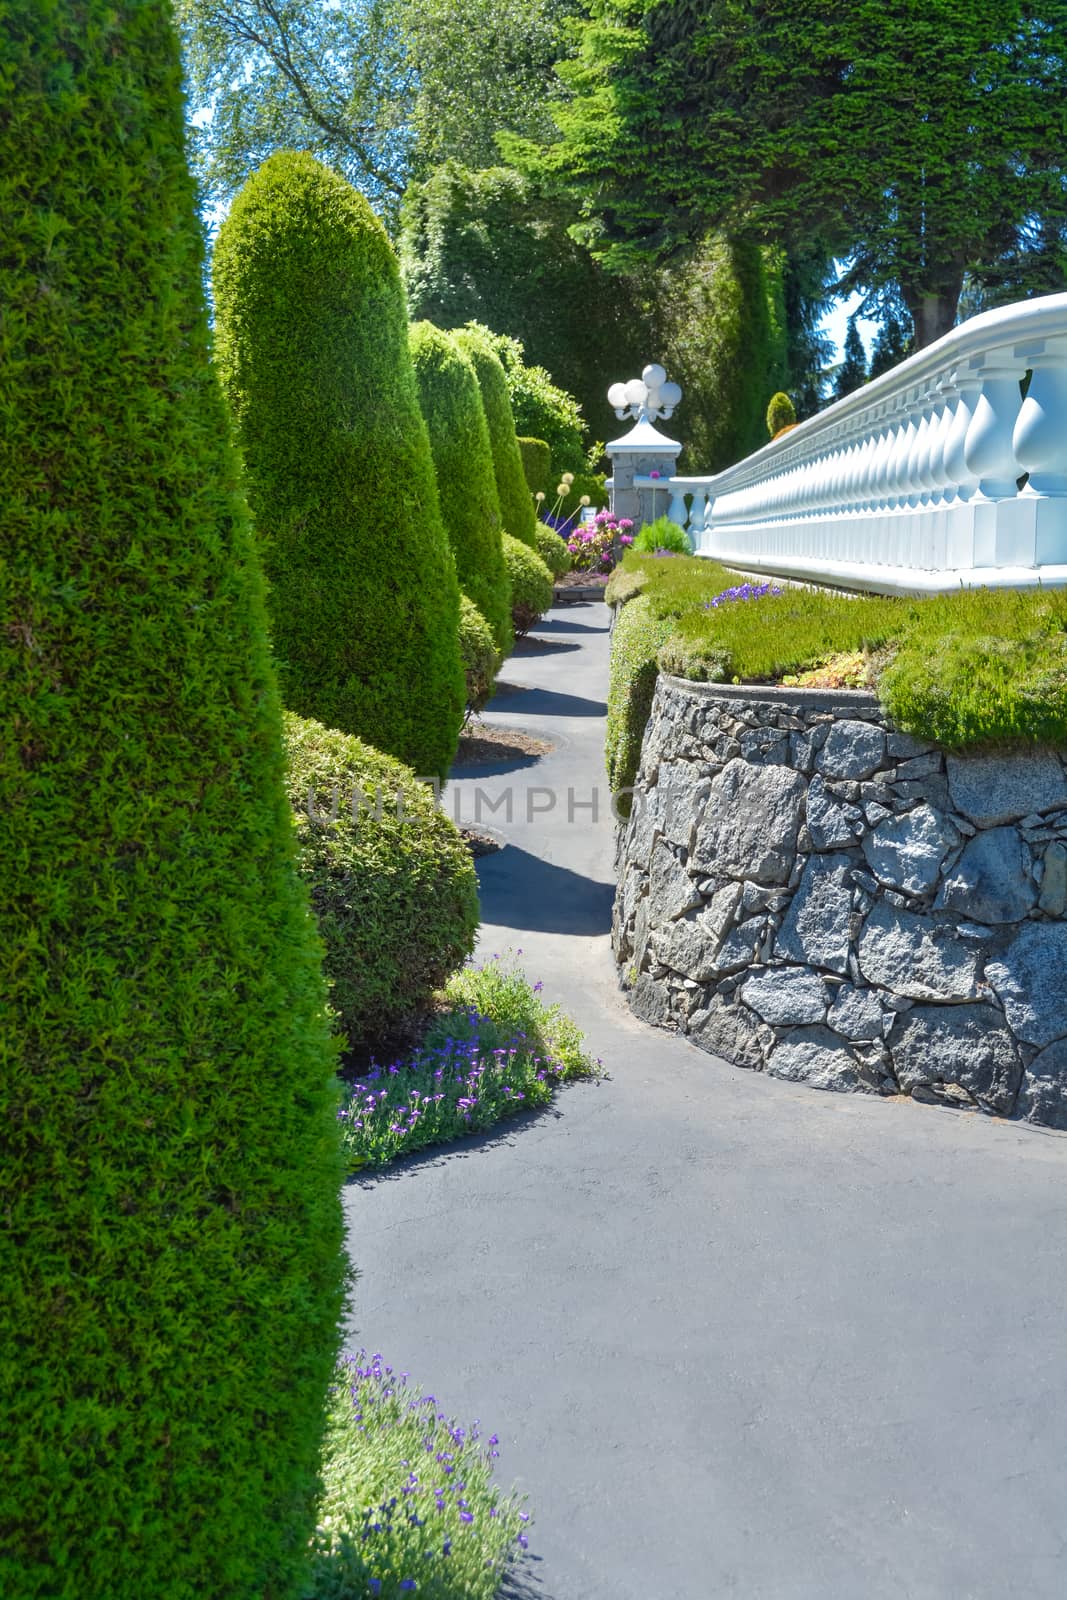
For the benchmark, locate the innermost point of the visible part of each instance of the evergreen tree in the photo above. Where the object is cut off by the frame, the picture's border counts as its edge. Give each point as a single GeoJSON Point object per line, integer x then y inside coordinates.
{"type": "Point", "coordinates": [169, 1163]}
{"type": "Point", "coordinates": [891, 347]}
{"type": "Point", "coordinates": [910, 137]}
{"type": "Point", "coordinates": [852, 373]}
{"type": "Point", "coordinates": [312, 342]}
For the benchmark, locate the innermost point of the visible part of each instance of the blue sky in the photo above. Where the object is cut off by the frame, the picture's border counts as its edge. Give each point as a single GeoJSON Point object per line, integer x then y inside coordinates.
{"type": "Point", "coordinates": [835, 325]}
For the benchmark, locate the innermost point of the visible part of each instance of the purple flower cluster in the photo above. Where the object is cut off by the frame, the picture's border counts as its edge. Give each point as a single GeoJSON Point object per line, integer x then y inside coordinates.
{"type": "Point", "coordinates": [743, 591]}
{"type": "Point", "coordinates": [383, 1116]}
{"type": "Point", "coordinates": [439, 1489]}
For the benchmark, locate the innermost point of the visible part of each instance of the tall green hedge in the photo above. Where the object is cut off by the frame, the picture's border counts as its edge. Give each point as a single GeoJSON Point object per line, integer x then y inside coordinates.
{"type": "Point", "coordinates": [466, 484]}
{"type": "Point", "coordinates": [536, 457]}
{"type": "Point", "coordinates": [313, 350]}
{"type": "Point", "coordinates": [169, 1164]}
{"type": "Point", "coordinates": [491, 246]}
{"type": "Point", "coordinates": [516, 502]}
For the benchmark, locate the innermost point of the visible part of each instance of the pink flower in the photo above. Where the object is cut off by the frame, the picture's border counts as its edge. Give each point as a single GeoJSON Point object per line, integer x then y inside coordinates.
{"type": "Point", "coordinates": [653, 474]}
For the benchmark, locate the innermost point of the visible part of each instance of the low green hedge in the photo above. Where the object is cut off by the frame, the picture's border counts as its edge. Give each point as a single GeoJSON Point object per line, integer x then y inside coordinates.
{"type": "Point", "coordinates": [531, 584]}
{"type": "Point", "coordinates": [553, 551]}
{"type": "Point", "coordinates": [480, 657]}
{"type": "Point", "coordinates": [394, 895]}
{"type": "Point", "coordinates": [639, 633]}
{"type": "Point", "coordinates": [974, 667]}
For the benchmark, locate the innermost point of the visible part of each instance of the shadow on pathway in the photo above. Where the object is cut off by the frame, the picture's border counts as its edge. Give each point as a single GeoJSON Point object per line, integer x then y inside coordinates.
{"type": "Point", "coordinates": [547, 703]}
{"type": "Point", "coordinates": [553, 899]}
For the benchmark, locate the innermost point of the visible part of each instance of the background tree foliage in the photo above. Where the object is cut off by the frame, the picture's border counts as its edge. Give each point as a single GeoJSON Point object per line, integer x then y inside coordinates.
{"type": "Point", "coordinates": [482, 67]}
{"type": "Point", "coordinates": [913, 136]}
{"type": "Point", "coordinates": [266, 75]}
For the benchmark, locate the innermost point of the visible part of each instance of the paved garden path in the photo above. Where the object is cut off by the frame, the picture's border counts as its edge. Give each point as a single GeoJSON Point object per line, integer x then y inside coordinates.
{"type": "Point", "coordinates": [738, 1338]}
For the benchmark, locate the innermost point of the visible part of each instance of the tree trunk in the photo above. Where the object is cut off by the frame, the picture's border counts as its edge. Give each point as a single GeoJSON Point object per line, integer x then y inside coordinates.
{"type": "Point", "coordinates": [933, 307]}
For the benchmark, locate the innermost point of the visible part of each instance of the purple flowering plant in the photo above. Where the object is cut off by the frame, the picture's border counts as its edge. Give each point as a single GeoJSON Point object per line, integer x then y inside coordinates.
{"type": "Point", "coordinates": [598, 546]}
{"type": "Point", "coordinates": [408, 1503]}
{"type": "Point", "coordinates": [495, 1050]}
{"type": "Point", "coordinates": [741, 591]}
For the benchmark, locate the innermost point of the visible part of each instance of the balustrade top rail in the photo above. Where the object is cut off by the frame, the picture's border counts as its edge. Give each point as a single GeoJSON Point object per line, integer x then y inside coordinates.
{"type": "Point", "coordinates": [936, 473]}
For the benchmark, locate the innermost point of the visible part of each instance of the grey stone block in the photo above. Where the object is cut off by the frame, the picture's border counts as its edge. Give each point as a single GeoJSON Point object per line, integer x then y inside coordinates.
{"type": "Point", "coordinates": [1053, 897]}
{"type": "Point", "coordinates": [1002, 788]}
{"type": "Point", "coordinates": [750, 823]}
{"type": "Point", "coordinates": [1030, 980]}
{"type": "Point", "coordinates": [732, 1032]}
{"type": "Point", "coordinates": [991, 881]}
{"type": "Point", "coordinates": [1043, 1095]}
{"type": "Point", "coordinates": [672, 891]}
{"type": "Point", "coordinates": [816, 927]}
{"type": "Point", "coordinates": [907, 851]}
{"type": "Point", "coordinates": [856, 1013]}
{"type": "Point", "coordinates": [964, 1045]}
{"type": "Point", "coordinates": [917, 956]}
{"type": "Point", "coordinates": [852, 750]}
{"type": "Point", "coordinates": [786, 996]}
{"type": "Point", "coordinates": [817, 1057]}
{"type": "Point", "coordinates": [828, 821]}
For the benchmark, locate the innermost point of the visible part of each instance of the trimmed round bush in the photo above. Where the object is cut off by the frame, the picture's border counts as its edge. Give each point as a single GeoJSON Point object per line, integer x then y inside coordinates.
{"type": "Point", "coordinates": [781, 413]}
{"type": "Point", "coordinates": [169, 1159]}
{"type": "Point", "coordinates": [531, 584]}
{"type": "Point", "coordinates": [516, 506]}
{"type": "Point", "coordinates": [312, 346]}
{"type": "Point", "coordinates": [466, 484]}
{"type": "Point", "coordinates": [553, 551]}
{"type": "Point", "coordinates": [392, 883]}
{"type": "Point", "coordinates": [480, 656]}
{"type": "Point", "coordinates": [536, 464]}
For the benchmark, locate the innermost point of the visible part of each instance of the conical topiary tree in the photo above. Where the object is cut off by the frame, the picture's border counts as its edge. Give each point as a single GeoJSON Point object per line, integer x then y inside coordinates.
{"type": "Point", "coordinates": [169, 1166]}
{"type": "Point", "coordinates": [466, 486]}
{"type": "Point", "coordinates": [516, 502]}
{"type": "Point", "coordinates": [312, 345]}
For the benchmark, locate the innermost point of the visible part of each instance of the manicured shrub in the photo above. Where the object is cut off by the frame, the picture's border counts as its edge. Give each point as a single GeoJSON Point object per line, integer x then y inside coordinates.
{"type": "Point", "coordinates": [553, 551]}
{"type": "Point", "coordinates": [637, 636]}
{"type": "Point", "coordinates": [780, 414]}
{"type": "Point", "coordinates": [466, 485]}
{"type": "Point", "coordinates": [531, 584]}
{"type": "Point", "coordinates": [169, 1159]}
{"type": "Point", "coordinates": [481, 658]}
{"type": "Point", "coordinates": [392, 883]}
{"type": "Point", "coordinates": [516, 507]}
{"type": "Point", "coordinates": [536, 464]}
{"type": "Point", "coordinates": [663, 534]}
{"type": "Point", "coordinates": [542, 410]}
{"type": "Point", "coordinates": [312, 345]}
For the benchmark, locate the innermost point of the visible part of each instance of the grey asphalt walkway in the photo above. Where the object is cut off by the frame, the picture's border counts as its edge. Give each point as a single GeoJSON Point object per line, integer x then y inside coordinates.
{"type": "Point", "coordinates": [738, 1338]}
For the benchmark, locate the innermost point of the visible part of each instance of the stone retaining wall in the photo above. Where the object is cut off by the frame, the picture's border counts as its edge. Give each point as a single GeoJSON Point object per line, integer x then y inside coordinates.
{"type": "Point", "coordinates": [805, 891]}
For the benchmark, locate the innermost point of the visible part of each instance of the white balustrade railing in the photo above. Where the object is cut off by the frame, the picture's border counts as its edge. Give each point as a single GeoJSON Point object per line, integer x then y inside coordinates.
{"type": "Point", "coordinates": [934, 474]}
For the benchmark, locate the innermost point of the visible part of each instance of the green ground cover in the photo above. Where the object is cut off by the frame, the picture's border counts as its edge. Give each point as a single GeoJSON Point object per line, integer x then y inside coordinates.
{"type": "Point", "coordinates": [408, 1503]}
{"type": "Point", "coordinates": [978, 667]}
{"type": "Point", "coordinates": [493, 1050]}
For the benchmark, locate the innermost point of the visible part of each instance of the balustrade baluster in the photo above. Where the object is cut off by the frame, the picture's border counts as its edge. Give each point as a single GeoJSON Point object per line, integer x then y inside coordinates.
{"type": "Point", "coordinates": [988, 449]}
